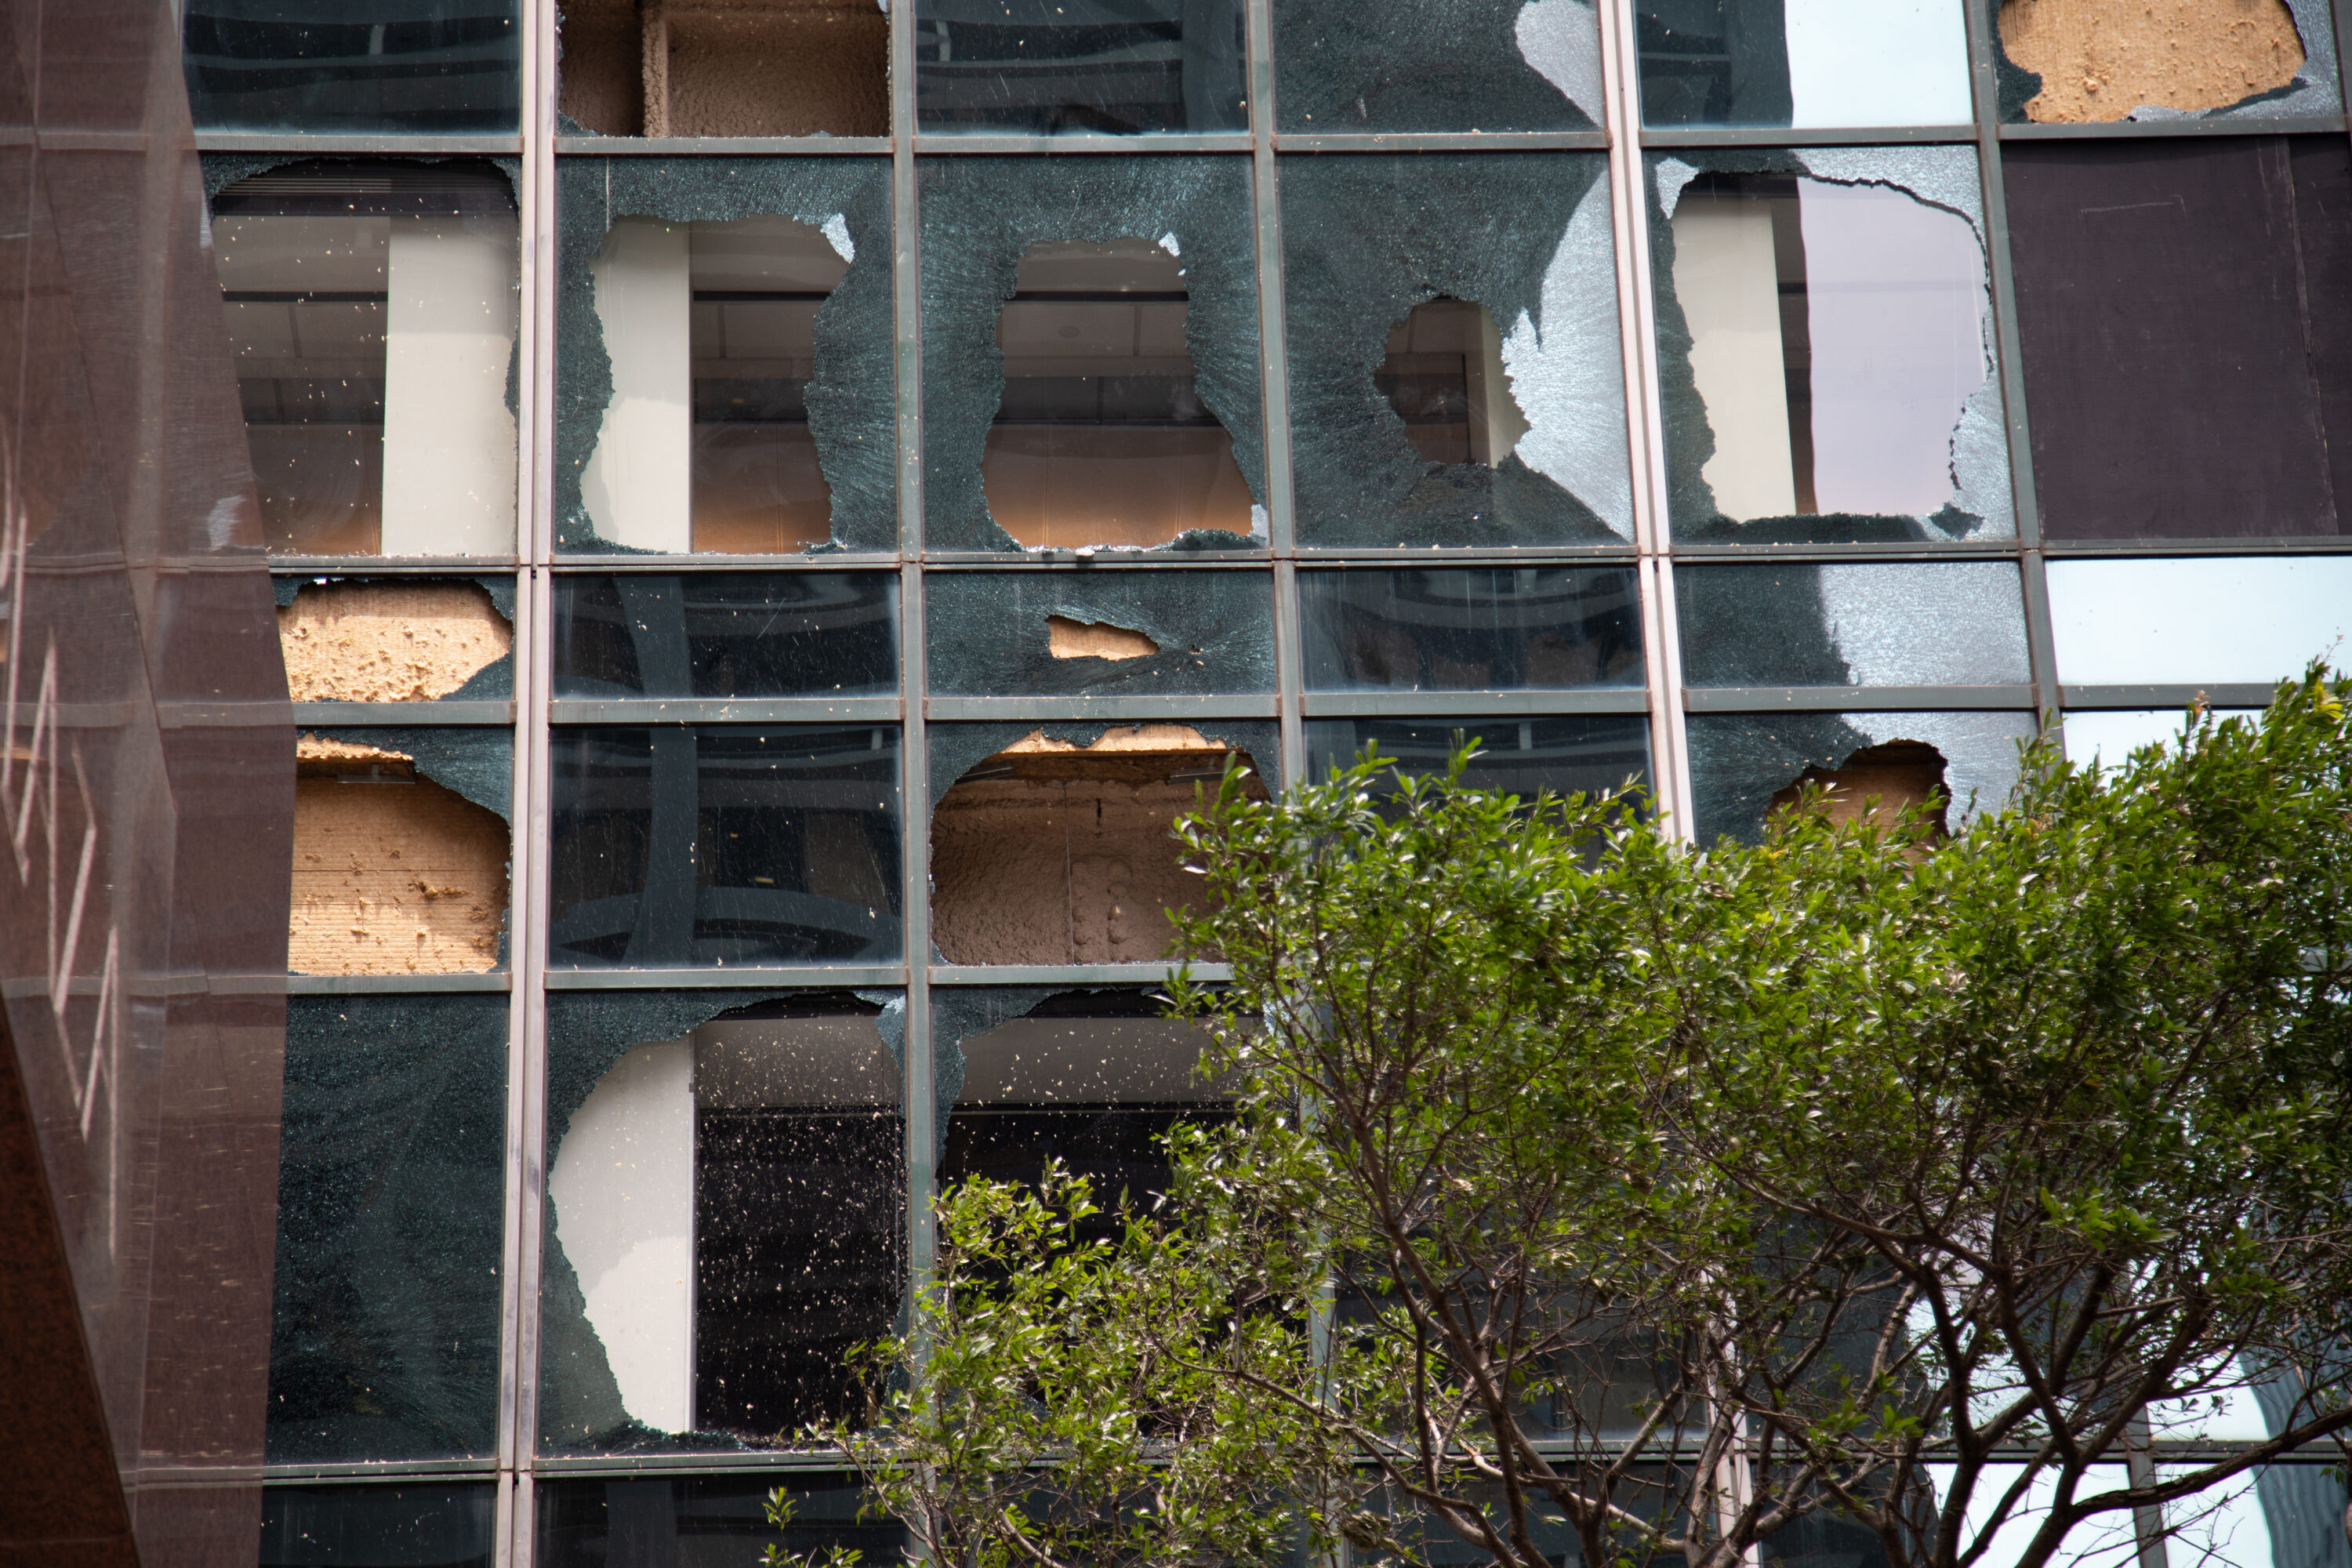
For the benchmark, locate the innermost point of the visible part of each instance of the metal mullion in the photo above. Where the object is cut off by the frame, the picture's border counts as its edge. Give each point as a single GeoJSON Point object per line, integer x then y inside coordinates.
{"type": "Point", "coordinates": [1281, 527]}
{"type": "Point", "coordinates": [988, 144]}
{"type": "Point", "coordinates": [1804, 136]}
{"type": "Point", "coordinates": [2136, 129]}
{"type": "Point", "coordinates": [1441, 141]}
{"type": "Point", "coordinates": [722, 146]}
{"type": "Point", "coordinates": [838, 561]}
{"type": "Point", "coordinates": [347, 146]}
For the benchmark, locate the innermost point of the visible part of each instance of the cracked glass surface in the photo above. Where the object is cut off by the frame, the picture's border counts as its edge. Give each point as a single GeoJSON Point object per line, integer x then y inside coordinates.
{"type": "Point", "coordinates": [1436, 65]}
{"type": "Point", "coordinates": [1890, 624]}
{"type": "Point", "coordinates": [1739, 760]}
{"type": "Point", "coordinates": [1803, 63]}
{"type": "Point", "coordinates": [1044, 68]}
{"type": "Point", "coordinates": [1099, 632]}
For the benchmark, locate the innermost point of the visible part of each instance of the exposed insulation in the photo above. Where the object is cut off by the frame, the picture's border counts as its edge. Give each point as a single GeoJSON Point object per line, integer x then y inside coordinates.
{"type": "Point", "coordinates": [389, 642]}
{"type": "Point", "coordinates": [1876, 785]}
{"type": "Point", "coordinates": [393, 874]}
{"type": "Point", "coordinates": [2101, 59]}
{"type": "Point", "coordinates": [1052, 853]}
{"type": "Point", "coordinates": [727, 67]}
{"type": "Point", "coordinates": [1067, 638]}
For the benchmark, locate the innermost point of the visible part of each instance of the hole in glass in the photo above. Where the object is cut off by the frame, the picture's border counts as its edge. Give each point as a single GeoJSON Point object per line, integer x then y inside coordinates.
{"type": "Point", "coordinates": [1875, 786]}
{"type": "Point", "coordinates": [1443, 376]}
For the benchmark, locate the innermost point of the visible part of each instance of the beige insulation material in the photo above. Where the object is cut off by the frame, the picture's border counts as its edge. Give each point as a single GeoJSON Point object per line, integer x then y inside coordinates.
{"type": "Point", "coordinates": [727, 67]}
{"type": "Point", "coordinates": [1876, 784]}
{"type": "Point", "coordinates": [2100, 59]}
{"type": "Point", "coordinates": [1063, 855]}
{"type": "Point", "coordinates": [389, 642]}
{"type": "Point", "coordinates": [393, 874]}
{"type": "Point", "coordinates": [1067, 638]}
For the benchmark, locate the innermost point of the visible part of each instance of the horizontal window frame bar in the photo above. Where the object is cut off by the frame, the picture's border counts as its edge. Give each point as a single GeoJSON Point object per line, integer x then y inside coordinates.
{"type": "Point", "coordinates": [1314, 142]}
{"type": "Point", "coordinates": [1078, 558]}
{"type": "Point", "coordinates": [1806, 136]}
{"type": "Point", "coordinates": [1072, 974]}
{"type": "Point", "coordinates": [725, 146]}
{"type": "Point", "coordinates": [803, 977]}
{"type": "Point", "coordinates": [587, 563]}
{"type": "Point", "coordinates": [1310, 556]}
{"type": "Point", "coordinates": [954, 144]}
{"type": "Point", "coordinates": [2126, 130]}
{"type": "Point", "coordinates": [2142, 549]}
{"type": "Point", "coordinates": [2220, 694]}
{"type": "Point", "coordinates": [949, 709]}
{"type": "Point", "coordinates": [377, 1470]}
{"type": "Point", "coordinates": [1392, 704]}
{"type": "Point", "coordinates": [1856, 699]}
{"type": "Point", "coordinates": [830, 1461]}
{"type": "Point", "coordinates": [828, 710]}
{"type": "Point", "coordinates": [468, 983]}
{"type": "Point", "coordinates": [334, 144]}
{"type": "Point", "coordinates": [2002, 549]}
{"type": "Point", "coordinates": [432, 710]}
{"type": "Point", "coordinates": [387, 565]}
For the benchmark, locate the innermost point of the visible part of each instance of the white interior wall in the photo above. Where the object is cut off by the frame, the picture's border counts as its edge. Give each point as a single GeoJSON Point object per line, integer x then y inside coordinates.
{"type": "Point", "coordinates": [448, 439]}
{"type": "Point", "coordinates": [637, 485]}
{"type": "Point", "coordinates": [1730, 295]}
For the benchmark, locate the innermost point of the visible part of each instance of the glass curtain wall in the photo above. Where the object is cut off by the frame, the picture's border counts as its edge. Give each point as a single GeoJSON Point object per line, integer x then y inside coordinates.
{"type": "Point", "coordinates": [777, 509]}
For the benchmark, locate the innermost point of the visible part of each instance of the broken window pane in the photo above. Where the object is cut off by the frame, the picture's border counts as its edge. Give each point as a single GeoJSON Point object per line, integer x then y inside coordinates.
{"type": "Point", "coordinates": [2211, 621]}
{"type": "Point", "coordinates": [372, 310]}
{"type": "Point", "coordinates": [729, 1206]}
{"type": "Point", "coordinates": [1891, 624]}
{"type": "Point", "coordinates": [1436, 65]}
{"type": "Point", "coordinates": [1089, 353]}
{"type": "Point", "coordinates": [1044, 67]}
{"type": "Point", "coordinates": [724, 377]}
{"type": "Point", "coordinates": [1824, 343]}
{"type": "Point", "coordinates": [1471, 628]}
{"type": "Point", "coordinates": [449, 1526]}
{"type": "Point", "coordinates": [726, 634]}
{"type": "Point", "coordinates": [1744, 765]}
{"type": "Point", "coordinates": [1803, 62]}
{"type": "Point", "coordinates": [752, 68]}
{"type": "Point", "coordinates": [1052, 852]}
{"type": "Point", "coordinates": [692, 844]}
{"type": "Point", "coordinates": [397, 639]}
{"type": "Point", "coordinates": [2108, 61]}
{"type": "Point", "coordinates": [1456, 375]}
{"type": "Point", "coordinates": [2185, 309]}
{"type": "Point", "coordinates": [1101, 632]}
{"type": "Point", "coordinates": [390, 1187]}
{"type": "Point", "coordinates": [428, 67]}
{"type": "Point", "coordinates": [1519, 755]}
{"type": "Point", "coordinates": [602, 1521]}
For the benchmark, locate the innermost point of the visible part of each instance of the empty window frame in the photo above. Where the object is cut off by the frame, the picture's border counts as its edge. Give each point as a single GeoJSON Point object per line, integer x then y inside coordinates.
{"type": "Point", "coordinates": [397, 639]}
{"type": "Point", "coordinates": [1471, 628]}
{"type": "Point", "coordinates": [1436, 65]}
{"type": "Point", "coordinates": [1101, 632]}
{"type": "Point", "coordinates": [1519, 755]}
{"type": "Point", "coordinates": [726, 634]}
{"type": "Point", "coordinates": [1802, 63]}
{"type": "Point", "coordinates": [1825, 352]}
{"type": "Point", "coordinates": [1958, 623]}
{"type": "Point", "coordinates": [2185, 311]}
{"type": "Point", "coordinates": [1090, 354]}
{"type": "Point", "coordinates": [372, 309]}
{"type": "Point", "coordinates": [723, 844]}
{"type": "Point", "coordinates": [1054, 67]}
{"type": "Point", "coordinates": [1456, 376]}
{"type": "Point", "coordinates": [729, 1216]}
{"type": "Point", "coordinates": [739, 67]}
{"type": "Point", "coordinates": [724, 374]}
{"type": "Point", "coordinates": [388, 68]}
{"type": "Point", "coordinates": [2258, 60]}
{"type": "Point", "coordinates": [1744, 766]}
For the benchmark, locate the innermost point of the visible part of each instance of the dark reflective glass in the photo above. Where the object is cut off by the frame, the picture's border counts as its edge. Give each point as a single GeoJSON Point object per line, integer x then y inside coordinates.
{"type": "Point", "coordinates": [1593, 752]}
{"type": "Point", "coordinates": [718, 844]}
{"type": "Point", "coordinates": [390, 67]}
{"type": "Point", "coordinates": [1471, 628]}
{"type": "Point", "coordinates": [799, 634]}
{"type": "Point", "coordinates": [656, 1522]}
{"type": "Point", "coordinates": [1049, 66]}
{"type": "Point", "coordinates": [1958, 623]}
{"type": "Point", "coordinates": [1436, 65]}
{"type": "Point", "coordinates": [379, 1525]}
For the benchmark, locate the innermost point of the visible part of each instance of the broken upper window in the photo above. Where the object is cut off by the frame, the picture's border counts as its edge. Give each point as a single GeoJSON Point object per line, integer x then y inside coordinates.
{"type": "Point", "coordinates": [1472, 628]}
{"type": "Point", "coordinates": [1824, 331]}
{"type": "Point", "coordinates": [430, 67]}
{"type": "Point", "coordinates": [1101, 632]}
{"type": "Point", "coordinates": [1456, 375]}
{"type": "Point", "coordinates": [1803, 62]}
{"type": "Point", "coordinates": [732, 1208]}
{"type": "Point", "coordinates": [1089, 353]}
{"type": "Point", "coordinates": [678, 845]}
{"type": "Point", "coordinates": [1746, 766]}
{"type": "Point", "coordinates": [400, 640]}
{"type": "Point", "coordinates": [747, 68]}
{"type": "Point", "coordinates": [726, 634]}
{"type": "Point", "coordinates": [1048, 66]}
{"type": "Point", "coordinates": [2110, 59]}
{"type": "Point", "coordinates": [2211, 621]}
{"type": "Point", "coordinates": [1518, 754]}
{"type": "Point", "coordinates": [372, 310]}
{"type": "Point", "coordinates": [1436, 65]}
{"type": "Point", "coordinates": [1885, 624]}
{"type": "Point", "coordinates": [2185, 308]}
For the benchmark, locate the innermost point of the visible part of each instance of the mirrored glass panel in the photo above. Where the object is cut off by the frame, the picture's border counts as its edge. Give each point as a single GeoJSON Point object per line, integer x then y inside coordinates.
{"type": "Point", "coordinates": [1436, 65]}
{"type": "Point", "coordinates": [2074, 64]}
{"type": "Point", "coordinates": [2215, 619]}
{"type": "Point", "coordinates": [1047, 67]}
{"type": "Point", "coordinates": [1803, 62]}
{"type": "Point", "coordinates": [372, 309]}
{"type": "Point", "coordinates": [726, 634]}
{"type": "Point", "coordinates": [1471, 628]}
{"type": "Point", "coordinates": [1520, 755]}
{"type": "Point", "coordinates": [400, 1523]}
{"type": "Point", "coordinates": [386, 68]}
{"type": "Point", "coordinates": [1892, 624]}
{"type": "Point", "coordinates": [724, 845]}
{"type": "Point", "coordinates": [614, 1521]}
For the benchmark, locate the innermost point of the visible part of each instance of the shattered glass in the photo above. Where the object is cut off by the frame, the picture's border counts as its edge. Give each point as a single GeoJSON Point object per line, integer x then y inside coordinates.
{"type": "Point", "coordinates": [1471, 628]}
{"type": "Point", "coordinates": [1825, 347]}
{"type": "Point", "coordinates": [1805, 63]}
{"type": "Point", "coordinates": [1436, 65]}
{"type": "Point", "coordinates": [710, 845]}
{"type": "Point", "coordinates": [1886, 623]}
{"type": "Point", "coordinates": [1587, 752]}
{"type": "Point", "coordinates": [957, 748]}
{"type": "Point", "coordinates": [1052, 67]}
{"type": "Point", "coordinates": [2098, 62]}
{"type": "Point", "coordinates": [639, 1522]}
{"type": "Point", "coordinates": [493, 682]}
{"type": "Point", "coordinates": [1370, 243]}
{"type": "Point", "coordinates": [1099, 632]}
{"type": "Point", "coordinates": [726, 634]}
{"type": "Point", "coordinates": [725, 323]}
{"type": "Point", "coordinates": [1739, 761]}
{"type": "Point", "coordinates": [1090, 354]}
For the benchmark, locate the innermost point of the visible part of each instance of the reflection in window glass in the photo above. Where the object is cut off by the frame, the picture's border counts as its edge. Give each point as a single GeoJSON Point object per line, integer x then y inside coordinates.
{"type": "Point", "coordinates": [1519, 755]}
{"type": "Point", "coordinates": [2211, 620]}
{"type": "Point", "coordinates": [2109, 738]}
{"type": "Point", "coordinates": [1436, 65]}
{"type": "Point", "coordinates": [724, 845]}
{"type": "Point", "coordinates": [405, 1523]}
{"type": "Point", "coordinates": [1891, 624]}
{"type": "Point", "coordinates": [416, 67]}
{"type": "Point", "coordinates": [726, 634]}
{"type": "Point", "coordinates": [711, 332]}
{"type": "Point", "coordinates": [371, 311]}
{"type": "Point", "coordinates": [1043, 67]}
{"type": "Point", "coordinates": [1471, 628]}
{"type": "Point", "coordinates": [1802, 62]}
{"type": "Point", "coordinates": [732, 1208]}
{"type": "Point", "coordinates": [652, 1521]}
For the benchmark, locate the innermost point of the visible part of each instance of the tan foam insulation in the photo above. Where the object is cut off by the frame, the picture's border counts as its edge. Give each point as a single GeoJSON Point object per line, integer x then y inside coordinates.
{"type": "Point", "coordinates": [393, 874]}
{"type": "Point", "coordinates": [389, 642]}
{"type": "Point", "coordinates": [727, 67]}
{"type": "Point", "coordinates": [1051, 853]}
{"type": "Point", "coordinates": [1067, 638]}
{"type": "Point", "coordinates": [2101, 59]}
{"type": "Point", "coordinates": [1876, 785]}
